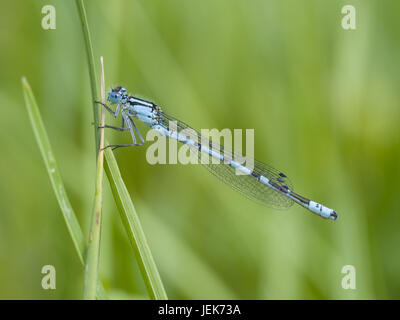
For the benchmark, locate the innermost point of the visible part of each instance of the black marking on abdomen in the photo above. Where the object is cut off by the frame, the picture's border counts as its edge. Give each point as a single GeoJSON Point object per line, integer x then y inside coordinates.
{"type": "Point", "coordinates": [279, 187]}
{"type": "Point", "coordinates": [255, 175]}
{"type": "Point", "coordinates": [300, 198]}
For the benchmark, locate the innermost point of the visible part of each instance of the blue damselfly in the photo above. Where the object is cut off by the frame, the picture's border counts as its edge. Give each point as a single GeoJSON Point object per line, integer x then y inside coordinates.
{"type": "Point", "coordinates": [263, 183]}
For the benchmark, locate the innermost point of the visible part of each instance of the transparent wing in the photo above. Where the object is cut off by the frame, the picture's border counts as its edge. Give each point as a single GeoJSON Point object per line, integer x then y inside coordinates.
{"type": "Point", "coordinates": [245, 184]}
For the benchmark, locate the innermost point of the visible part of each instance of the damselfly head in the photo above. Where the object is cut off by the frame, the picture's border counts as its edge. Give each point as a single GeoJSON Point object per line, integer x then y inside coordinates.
{"type": "Point", "coordinates": [116, 94]}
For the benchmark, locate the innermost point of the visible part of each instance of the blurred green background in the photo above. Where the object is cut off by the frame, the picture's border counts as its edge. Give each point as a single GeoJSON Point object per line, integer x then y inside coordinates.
{"type": "Point", "coordinates": [324, 103]}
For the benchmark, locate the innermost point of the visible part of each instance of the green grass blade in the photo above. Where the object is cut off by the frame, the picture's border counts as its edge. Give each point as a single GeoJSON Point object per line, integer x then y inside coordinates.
{"type": "Point", "coordinates": [124, 203]}
{"type": "Point", "coordinates": [134, 229]}
{"type": "Point", "coordinates": [92, 69]}
{"type": "Point", "coordinates": [42, 139]}
{"type": "Point", "coordinates": [93, 251]}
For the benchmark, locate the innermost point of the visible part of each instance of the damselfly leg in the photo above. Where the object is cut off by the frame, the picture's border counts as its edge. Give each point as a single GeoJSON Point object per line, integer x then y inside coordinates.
{"type": "Point", "coordinates": [130, 125]}
{"type": "Point", "coordinates": [114, 113]}
{"type": "Point", "coordinates": [121, 128]}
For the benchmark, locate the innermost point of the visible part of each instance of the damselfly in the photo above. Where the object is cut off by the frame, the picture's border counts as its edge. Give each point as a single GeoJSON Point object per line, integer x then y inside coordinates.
{"type": "Point", "coordinates": [262, 184]}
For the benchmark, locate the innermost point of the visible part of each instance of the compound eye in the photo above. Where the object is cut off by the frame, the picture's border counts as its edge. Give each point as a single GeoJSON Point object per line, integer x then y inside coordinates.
{"type": "Point", "coordinates": [115, 96]}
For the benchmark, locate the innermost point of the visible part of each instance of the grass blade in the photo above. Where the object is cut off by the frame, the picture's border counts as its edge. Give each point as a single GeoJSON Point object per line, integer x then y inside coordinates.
{"type": "Point", "coordinates": [93, 252]}
{"type": "Point", "coordinates": [42, 139]}
{"type": "Point", "coordinates": [124, 203]}
{"type": "Point", "coordinates": [134, 229]}
{"type": "Point", "coordinates": [92, 69]}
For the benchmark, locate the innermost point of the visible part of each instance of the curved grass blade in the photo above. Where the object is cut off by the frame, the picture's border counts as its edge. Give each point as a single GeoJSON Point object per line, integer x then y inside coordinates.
{"type": "Point", "coordinates": [134, 229]}
{"type": "Point", "coordinates": [124, 203]}
{"type": "Point", "coordinates": [55, 177]}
